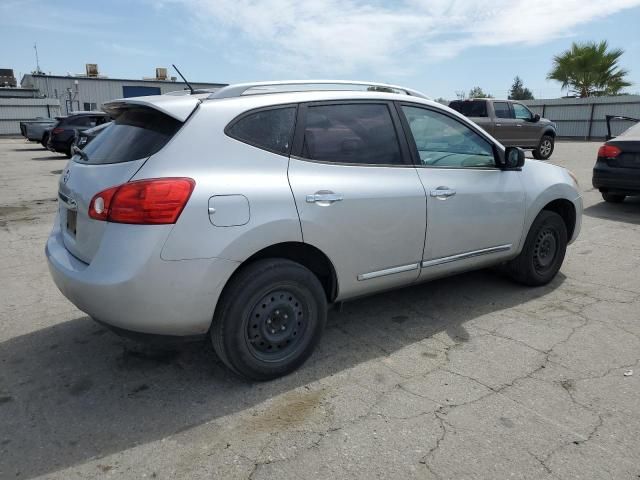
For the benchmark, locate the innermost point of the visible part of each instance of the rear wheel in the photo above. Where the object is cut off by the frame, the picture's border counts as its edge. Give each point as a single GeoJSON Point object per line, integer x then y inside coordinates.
{"type": "Point", "coordinates": [269, 319]}
{"type": "Point", "coordinates": [543, 251]}
{"type": "Point", "coordinates": [613, 197]}
{"type": "Point", "coordinates": [45, 139]}
{"type": "Point", "coordinates": [545, 148]}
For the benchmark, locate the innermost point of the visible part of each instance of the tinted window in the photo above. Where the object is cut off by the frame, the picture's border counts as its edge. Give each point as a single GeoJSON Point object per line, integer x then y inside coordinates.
{"type": "Point", "coordinates": [136, 133]}
{"type": "Point", "coordinates": [521, 112]}
{"type": "Point", "coordinates": [353, 133]}
{"type": "Point", "coordinates": [469, 108]}
{"type": "Point", "coordinates": [444, 142]}
{"type": "Point", "coordinates": [268, 129]}
{"type": "Point", "coordinates": [502, 110]}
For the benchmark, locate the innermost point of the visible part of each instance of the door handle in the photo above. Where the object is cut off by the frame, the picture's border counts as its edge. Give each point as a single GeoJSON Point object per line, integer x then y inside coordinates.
{"type": "Point", "coordinates": [498, 124]}
{"type": "Point", "coordinates": [324, 197]}
{"type": "Point", "coordinates": [442, 193]}
{"type": "Point", "coordinates": [518, 125]}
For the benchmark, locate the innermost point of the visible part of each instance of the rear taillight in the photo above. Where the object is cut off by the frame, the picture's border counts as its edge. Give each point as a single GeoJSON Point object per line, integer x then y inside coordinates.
{"type": "Point", "coordinates": [55, 131]}
{"type": "Point", "coordinates": [609, 151]}
{"type": "Point", "coordinates": [143, 202]}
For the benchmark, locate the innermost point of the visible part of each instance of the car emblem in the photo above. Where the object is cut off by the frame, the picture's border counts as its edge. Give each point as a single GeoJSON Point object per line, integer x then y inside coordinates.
{"type": "Point", "coordinates": [65, 177]}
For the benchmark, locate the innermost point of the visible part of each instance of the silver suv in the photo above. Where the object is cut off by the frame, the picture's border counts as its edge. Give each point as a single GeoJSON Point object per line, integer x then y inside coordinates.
{"type": "Point", "coordinates": [242, 214]}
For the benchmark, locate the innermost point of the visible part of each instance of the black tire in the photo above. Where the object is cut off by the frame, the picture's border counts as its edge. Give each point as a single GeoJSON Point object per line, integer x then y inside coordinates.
{"type": "Point", "coordinates": [543, 252]}
{"type": "Point", "coordinates": [545, 148]}
{"type": "Point", "coordinates": [45, 139]}
{"type": "Point", "coordinates": [613, 197]}
{"type": "Point", "coordinates": [252, 330]}
{"type": "Point", "coordinates": [67, 150]}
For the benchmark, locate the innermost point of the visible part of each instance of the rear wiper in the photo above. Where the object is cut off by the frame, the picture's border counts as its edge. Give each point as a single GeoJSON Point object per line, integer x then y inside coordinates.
{"type": "Point", "coordinates": [78, 151]}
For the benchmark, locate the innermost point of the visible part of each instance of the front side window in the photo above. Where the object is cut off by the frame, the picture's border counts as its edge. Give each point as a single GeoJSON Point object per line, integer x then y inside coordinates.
{"type": "Point", "coordinates": [502, 110]}
{"type": "Point", "coordinates": [358, 133]}
{"type": "Point", "coordinates": [442, 141]}
{"type": "Point", "coordinates": [270, 129]}
{"type": "Point", "coordinates": [521, 112]}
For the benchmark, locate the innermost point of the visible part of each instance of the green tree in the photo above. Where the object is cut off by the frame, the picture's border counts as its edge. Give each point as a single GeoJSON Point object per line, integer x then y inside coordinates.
{"type": "Point", "coordinates": [477, 92]}
{"type": "Point", "coordinates": [590, 68]}
{"type": "Point", "coordinates": [518, 91]}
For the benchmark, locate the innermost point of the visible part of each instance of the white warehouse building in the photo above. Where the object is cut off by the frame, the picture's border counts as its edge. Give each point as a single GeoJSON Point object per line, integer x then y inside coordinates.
{"type": "Point", "coordinates": [89, 92]}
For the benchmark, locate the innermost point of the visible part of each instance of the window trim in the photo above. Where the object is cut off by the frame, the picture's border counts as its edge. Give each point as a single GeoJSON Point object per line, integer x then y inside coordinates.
{"type": "Point", "coordinates": [466, 123]}
{"type": "Point", "coordinates": [247, 113]}
{"type": "Point", "coordinates": [405, 155]}
{"type": "Point", "coordinates": [509, 107]}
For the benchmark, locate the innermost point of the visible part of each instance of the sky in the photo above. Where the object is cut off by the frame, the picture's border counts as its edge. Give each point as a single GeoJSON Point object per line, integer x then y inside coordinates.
{"type": "Point", "coordinates": [439, 47]}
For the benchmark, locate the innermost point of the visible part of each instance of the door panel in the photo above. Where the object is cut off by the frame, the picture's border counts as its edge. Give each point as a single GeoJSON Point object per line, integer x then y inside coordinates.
{"type": "Point", "coordinates": [529, 131]}
{"type": "Point", "coordinates": [473, 208]}
{"type": "Point", "coordinates": [369, 220]}
{"type": "Point", "coordinates": [485, 212]}
{"type": "Point", "coordinates": [505, 126]}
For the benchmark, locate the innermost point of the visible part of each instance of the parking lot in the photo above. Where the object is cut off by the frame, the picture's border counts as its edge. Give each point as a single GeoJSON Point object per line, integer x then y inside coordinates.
{"type": "Point", "coordinates": [466, 377]}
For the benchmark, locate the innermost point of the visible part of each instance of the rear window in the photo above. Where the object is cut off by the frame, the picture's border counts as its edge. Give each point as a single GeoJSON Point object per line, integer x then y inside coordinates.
{"type": "Point", "coordinates": [470, 109]}
{"type": "Point", "coordinates": [270, 129]}
{"type": "Point", "coordinates": [137, 132]}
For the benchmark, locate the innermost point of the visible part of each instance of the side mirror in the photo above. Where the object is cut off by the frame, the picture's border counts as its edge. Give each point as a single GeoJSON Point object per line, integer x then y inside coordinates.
{"type": "Point", "coordinates": [536, 118]}
{"type": "Point", "coordinates": [513, 158]}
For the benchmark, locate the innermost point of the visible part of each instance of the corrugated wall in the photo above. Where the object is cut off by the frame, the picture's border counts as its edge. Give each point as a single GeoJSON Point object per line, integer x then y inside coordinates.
{"type": "Point", "coordinates": [584, 118]}
{"type": "Point", "coordinates": [14, 110]}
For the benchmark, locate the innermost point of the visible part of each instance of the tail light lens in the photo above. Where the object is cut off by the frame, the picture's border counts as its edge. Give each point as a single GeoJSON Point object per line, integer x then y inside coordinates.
{"type": "Point", "coordinates": [609, 151]}
{"type": "Point", "coordinates": [55, 131]}
{"type": "Point", "coordinates": [155, 201]}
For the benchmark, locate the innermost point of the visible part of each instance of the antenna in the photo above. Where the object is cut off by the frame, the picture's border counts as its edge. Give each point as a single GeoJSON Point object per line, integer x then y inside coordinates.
{"type": "Point", "coordinates": [35, 47]}
{"type": "Point", "coordinates": [182, 76]}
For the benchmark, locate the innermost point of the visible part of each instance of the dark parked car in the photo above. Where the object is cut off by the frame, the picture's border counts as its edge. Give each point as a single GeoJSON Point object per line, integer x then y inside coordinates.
{"type": "Point", "coordinates": [83, 138]}
{"type": "Point", "coordinates": [617, 170]}
{"type": "Point", "coordinates": [511, 123]}
{"type": "Point", "coordinates": [64, 133]}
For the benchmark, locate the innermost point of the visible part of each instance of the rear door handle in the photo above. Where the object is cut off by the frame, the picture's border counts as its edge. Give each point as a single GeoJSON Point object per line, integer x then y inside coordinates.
{"type": "Point", "coordinates": [324, 197]}
{"type": "Point", "coordinates": [498, 124]}
{"type": "Point", "coordinates": [442, 193]}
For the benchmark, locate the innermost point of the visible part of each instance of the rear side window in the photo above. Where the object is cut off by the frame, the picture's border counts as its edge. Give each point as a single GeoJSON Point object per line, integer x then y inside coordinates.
{"type": "Point", "coordinates": [502, 110]}
{"type": "Point", "coordinates": [469, 108]}
{"type": "Point", "coordinates": [270, 129]}
{"type": "Point", "coordinates": [353, 133]}
{"type": "Point", "coordinates": [136, 132]}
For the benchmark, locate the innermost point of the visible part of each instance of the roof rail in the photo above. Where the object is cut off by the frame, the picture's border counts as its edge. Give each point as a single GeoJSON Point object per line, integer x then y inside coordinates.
{"type": "Point", "coordinates": [261, 88]}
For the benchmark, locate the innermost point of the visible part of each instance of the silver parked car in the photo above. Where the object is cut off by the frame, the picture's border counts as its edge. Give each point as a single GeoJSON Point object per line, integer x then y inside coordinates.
{"type": "Point", "coordinates": [242, 214]}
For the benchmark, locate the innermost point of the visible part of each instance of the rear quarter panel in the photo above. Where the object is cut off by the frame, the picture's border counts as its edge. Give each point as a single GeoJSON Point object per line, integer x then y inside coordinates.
{"type": "Point", "coordinates": [221, 165]}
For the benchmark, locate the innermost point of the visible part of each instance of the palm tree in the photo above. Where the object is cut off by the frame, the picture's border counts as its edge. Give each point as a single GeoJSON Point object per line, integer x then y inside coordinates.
{"type": "Point", "coordinates": [590, 68]}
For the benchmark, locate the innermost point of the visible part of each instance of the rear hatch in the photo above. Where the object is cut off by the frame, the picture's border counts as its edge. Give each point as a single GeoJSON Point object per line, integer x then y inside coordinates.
{"type": "Point", "coordinates": [139, 130]}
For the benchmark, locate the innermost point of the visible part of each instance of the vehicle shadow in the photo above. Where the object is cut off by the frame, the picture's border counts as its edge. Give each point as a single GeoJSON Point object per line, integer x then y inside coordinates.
{"type": "Point", "coordinates": [75, 391]}
{"type": "Point", "coordinates": [52, 157]}
{"type": "Point", "coordinates": [627, 211]}
{"type": "Point", "coordinates": [39, 149]}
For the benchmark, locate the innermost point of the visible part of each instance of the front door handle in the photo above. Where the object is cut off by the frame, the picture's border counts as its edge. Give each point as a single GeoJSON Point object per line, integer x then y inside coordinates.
{"type": "Point", "coordinates": [324, 197]}
{"type": "Point", "coordinates": [442, 193]}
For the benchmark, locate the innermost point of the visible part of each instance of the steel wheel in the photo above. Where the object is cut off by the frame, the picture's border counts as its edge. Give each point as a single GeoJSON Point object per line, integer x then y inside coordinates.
{"type": "Point", "coordinates": [545, 250]}
{"type": "Point", "coordinates": [276, 326]}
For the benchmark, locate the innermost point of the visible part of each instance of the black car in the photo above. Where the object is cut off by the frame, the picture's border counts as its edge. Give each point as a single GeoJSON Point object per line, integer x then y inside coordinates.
{"type": "Point", "coordinates": [617, 170]}
{"type": "Point", "coordinates": [83, 138]}
{"type": "Point", "coordinates": [64, 132]}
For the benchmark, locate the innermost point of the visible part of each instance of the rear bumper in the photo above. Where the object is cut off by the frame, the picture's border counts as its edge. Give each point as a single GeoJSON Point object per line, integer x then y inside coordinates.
{"type": "Point", "coordinates": [616, 180]}
{"type": "Point", "coordinates": [140, 292]}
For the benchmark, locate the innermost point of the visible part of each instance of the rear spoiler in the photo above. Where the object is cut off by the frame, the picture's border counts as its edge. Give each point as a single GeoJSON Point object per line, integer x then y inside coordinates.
{"type": "Point", "coordinates": [178, 107]}
{"type": "Point", "coordinates": [617, 117]}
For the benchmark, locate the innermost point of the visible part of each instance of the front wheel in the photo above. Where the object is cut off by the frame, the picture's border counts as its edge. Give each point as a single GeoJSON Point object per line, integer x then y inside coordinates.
{"type": "Point", "coordinates": [269, 319]}
{"type": "Point", "coordinates": [545, 148]}
{"type": "Point", "coordinates": [543, 251]}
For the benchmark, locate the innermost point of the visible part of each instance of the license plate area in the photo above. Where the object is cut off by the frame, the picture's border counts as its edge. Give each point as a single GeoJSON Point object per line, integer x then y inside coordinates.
{"type": "Point", "coordinates": [72, 220]}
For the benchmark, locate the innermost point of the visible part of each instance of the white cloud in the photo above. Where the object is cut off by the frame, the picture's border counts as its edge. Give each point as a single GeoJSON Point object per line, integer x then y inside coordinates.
{"type": "Point", "coordinates": [316, 37]}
